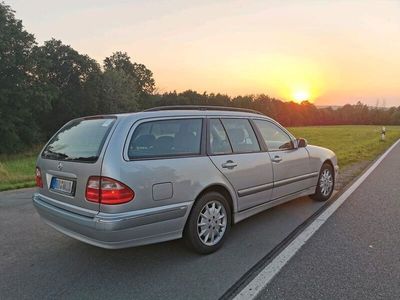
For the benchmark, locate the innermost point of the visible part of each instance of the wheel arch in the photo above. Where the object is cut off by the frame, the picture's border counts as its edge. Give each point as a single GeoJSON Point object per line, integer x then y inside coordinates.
{"type": "Point", "coordinates": [222, 189]}
{"type": "Point", "coordinates": [329, 161]}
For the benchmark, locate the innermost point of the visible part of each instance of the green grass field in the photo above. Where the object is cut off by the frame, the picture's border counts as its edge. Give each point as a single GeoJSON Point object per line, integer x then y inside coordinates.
{"type": "Point", "coordinates": [352, 144]}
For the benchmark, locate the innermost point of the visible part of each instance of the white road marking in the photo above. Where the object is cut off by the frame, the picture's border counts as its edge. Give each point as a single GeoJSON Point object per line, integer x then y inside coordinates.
{"type": "Point", "coordinates": [254, 287]}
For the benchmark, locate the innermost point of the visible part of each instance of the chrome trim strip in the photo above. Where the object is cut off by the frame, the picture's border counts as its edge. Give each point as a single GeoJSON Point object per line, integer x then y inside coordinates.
{"type": "Point", "coordinates": [255, 189]}
{"type": "Point", "coordinates": [241, 215]}
{"type": "Point", "coordinates": [268, 186]}
{"type": "Point", "coordinates": [294, 179]}
{"type": "Point", "coordinates": [120, 222]}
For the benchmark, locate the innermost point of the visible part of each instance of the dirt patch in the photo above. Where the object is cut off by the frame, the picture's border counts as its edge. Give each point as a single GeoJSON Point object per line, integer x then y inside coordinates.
{"type": "Point", "coordinates": [348, 173]}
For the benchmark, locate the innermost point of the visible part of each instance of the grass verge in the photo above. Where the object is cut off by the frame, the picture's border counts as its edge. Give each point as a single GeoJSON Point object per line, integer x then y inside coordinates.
{"type": "Point", "coordinates": [18, 170]}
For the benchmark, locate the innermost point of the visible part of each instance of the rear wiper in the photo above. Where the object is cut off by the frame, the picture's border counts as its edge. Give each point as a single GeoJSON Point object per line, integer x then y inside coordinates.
{"type": "Point", "coordinates": [83, 158]}
{"type": "Point", "coordinates": [57, 154]}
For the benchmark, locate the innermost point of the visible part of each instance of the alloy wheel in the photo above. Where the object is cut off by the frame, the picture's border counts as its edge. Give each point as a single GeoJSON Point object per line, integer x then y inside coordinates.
{"type": "Point", "coordinates": [326, 182]}
{"type": "Point", "coordinates": [211, 223]}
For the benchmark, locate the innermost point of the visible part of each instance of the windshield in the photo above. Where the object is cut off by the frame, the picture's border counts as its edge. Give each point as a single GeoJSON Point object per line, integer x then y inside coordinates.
{"type": "Point", "coordinates": [79, 140]}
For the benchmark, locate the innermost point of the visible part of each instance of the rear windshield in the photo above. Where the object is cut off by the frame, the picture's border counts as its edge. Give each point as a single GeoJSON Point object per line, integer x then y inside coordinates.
{"type": "Point", "coordinates": [79, 140]}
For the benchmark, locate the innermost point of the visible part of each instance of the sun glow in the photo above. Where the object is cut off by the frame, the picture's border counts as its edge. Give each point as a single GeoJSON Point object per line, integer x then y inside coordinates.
{"type": "Point", "coordinates": [301, 95]}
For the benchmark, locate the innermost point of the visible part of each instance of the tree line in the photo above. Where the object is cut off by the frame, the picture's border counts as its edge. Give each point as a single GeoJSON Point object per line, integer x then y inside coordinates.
{"type": "Point", "coordinates": [44, 86]}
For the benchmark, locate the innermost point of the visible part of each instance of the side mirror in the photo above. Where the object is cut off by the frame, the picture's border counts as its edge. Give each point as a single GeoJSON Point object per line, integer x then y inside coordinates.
{"type": "Point", "coordinates": [301, 143]}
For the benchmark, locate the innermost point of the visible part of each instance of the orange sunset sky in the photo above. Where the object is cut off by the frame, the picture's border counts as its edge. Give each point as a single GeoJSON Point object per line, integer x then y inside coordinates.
{"type": "Point", "coordinates": [330, 52]}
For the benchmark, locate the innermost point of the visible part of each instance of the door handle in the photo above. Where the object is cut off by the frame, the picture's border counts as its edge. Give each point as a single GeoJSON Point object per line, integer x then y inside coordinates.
{"type": "Point", "coordinates": [276, 158]}
{"type": "Point", "coordinates": [229, 164]}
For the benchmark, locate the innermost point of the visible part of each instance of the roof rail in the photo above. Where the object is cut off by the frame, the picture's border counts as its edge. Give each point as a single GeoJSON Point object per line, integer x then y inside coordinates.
{"type": "Point", "coordinates": [203, 107]}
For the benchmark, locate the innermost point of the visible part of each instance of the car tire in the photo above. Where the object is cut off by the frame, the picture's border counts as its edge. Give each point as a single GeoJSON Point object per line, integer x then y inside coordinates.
{"type": "Point", "coordinates": [326, 183]}
{"type": "Point", "coordinates": [208, 224]}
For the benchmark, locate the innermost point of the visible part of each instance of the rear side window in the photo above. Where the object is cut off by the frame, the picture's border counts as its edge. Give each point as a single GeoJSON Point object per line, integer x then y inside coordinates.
{"type": "Point", "coordinates": [241, 135]}
{"type": "Point", "coordinates": [218, 140]}
{"type": "Point", "coordinates": [79, 140]}
{"type": "Point", "coordinates": [166, 138]}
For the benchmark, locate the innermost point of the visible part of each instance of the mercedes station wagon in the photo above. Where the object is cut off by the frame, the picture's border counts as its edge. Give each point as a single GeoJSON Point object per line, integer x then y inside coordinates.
{"type": "Point", "coordinates": [124, 180]}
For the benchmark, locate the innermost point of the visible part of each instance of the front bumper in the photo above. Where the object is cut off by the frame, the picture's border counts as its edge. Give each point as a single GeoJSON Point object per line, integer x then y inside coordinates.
{"type": "Point", "coordinates": [118, 230]}
{"type": "Point", "coordinates": [336, 169]}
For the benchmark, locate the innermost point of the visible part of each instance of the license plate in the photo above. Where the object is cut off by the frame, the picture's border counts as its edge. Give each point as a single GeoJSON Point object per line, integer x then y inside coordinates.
{"type": "Point", "coordinates": [61, 185]}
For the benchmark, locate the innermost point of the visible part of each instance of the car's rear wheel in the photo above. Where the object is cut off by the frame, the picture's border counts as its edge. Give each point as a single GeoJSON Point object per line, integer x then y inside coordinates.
{"type": "Point", "coordinates": [209, 223]}
{"type": "Point", "coordinates": [326, 182]}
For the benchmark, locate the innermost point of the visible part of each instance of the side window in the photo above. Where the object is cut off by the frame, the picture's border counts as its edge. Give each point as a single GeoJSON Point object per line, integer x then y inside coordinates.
{"type": "Point", "coordinates": [218, 140]}
{"type": "Point", "coordinates": [241, 135]}
{"type": "Point", "coordinates": [275, 138]}
{"type": "Point", "coordinates": [166, 138]}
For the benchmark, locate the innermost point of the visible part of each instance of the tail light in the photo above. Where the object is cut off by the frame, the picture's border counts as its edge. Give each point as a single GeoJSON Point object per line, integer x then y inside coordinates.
{"type": "Point", "coordinates": [106, 190]}
{"type": "Point", "coordinates": [38, 177]}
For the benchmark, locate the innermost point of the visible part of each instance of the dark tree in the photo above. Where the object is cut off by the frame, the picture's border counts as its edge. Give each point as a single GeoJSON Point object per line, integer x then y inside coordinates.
{"type": "Point", "coordinates": [119, 92]}
{"type": "Point", "coordinates": [63, 73]}
{"type": "Point", "coordinates": [17, 126]}
{"type": "Point", "coordinates": [120, 61]}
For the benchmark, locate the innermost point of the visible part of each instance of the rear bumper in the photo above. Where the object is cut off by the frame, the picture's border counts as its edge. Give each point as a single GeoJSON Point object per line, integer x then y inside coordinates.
{"type": "Point", "coordinates": [118, 230]}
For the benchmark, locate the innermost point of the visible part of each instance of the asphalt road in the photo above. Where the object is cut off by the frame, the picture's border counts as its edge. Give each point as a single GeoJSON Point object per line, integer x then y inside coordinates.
{"type": "Point", "coordinates": [38, 262]}
{"type": "Point", "coordinates": [356, 253]}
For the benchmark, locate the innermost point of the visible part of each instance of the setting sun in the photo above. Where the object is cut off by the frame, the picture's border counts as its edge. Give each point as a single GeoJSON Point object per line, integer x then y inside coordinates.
{"type": "Point", "coordinates": [300, 96]}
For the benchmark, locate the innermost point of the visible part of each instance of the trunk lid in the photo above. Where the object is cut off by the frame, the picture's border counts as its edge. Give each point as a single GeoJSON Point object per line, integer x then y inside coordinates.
{"type": "Point", "coordinates": [68, 160]}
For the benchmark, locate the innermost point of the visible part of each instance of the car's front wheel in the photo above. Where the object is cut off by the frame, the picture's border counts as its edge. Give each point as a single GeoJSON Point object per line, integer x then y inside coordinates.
{"type": "Point", "coordinates": [326, 182]}
{"type": "Point", "coordinates": [208, 224]}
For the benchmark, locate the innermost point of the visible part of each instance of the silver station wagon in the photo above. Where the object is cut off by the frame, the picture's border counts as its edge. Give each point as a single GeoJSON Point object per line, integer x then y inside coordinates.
{"type": "Point", "coordinates": [123, 180]}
